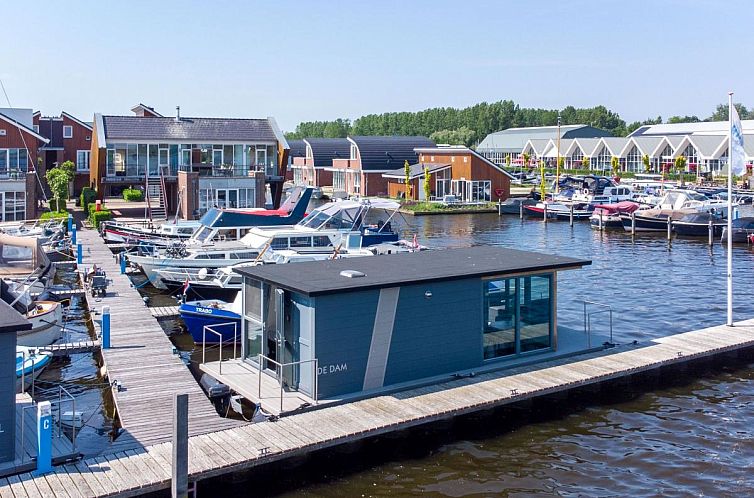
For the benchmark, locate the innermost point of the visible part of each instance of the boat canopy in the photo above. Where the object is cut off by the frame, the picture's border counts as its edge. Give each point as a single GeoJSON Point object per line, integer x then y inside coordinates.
{"type": "Point", "coordinates": [618, 207]}
{"type": "Point", "coordinates": [345, 214]}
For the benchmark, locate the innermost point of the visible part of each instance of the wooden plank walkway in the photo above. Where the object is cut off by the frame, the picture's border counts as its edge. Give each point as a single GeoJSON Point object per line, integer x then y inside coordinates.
{"type": "Point", "coordinates": [232, 450]}
{"type": "Point", "coordinates": [164, 311]}
{"type": "Point", "coordinates": [69, 348]}
{"type": "Point", "coordinates": [141, 359]}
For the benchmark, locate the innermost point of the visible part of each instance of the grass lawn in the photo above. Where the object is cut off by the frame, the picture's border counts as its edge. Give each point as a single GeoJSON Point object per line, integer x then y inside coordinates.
{"type": "Point", "coordinates": [438, 207]}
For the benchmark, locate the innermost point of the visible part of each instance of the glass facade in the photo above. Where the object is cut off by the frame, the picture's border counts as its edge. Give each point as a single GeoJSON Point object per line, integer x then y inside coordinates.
{"type": "Point", "coordinates": [12, 206]}
{"type": "Point", "coordinates": [633, 161]}
{"type": "Point", "coordinates": [133, 160]}
{"type": "Point", "coordinates": [13, 162]}
{"type": "Point", "coordinates": [518, 315]}
{"type": "Point", "coordinates": [226, 198]}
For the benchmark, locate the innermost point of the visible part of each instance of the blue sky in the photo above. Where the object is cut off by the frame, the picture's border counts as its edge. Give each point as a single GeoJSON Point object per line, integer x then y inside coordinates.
{"type": "Point", "coordinates": [301, 61]}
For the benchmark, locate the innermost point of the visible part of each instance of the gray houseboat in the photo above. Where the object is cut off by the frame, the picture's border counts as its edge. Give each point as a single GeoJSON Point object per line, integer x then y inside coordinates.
{"type": "Point", "coordinates": [328, 331]}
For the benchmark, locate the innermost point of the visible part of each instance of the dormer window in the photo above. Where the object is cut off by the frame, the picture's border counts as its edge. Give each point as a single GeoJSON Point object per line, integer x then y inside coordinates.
{"type": "Point", "coordinates": [67, 131]}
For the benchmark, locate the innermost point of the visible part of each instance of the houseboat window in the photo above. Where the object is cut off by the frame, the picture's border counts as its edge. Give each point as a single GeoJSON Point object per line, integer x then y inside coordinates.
{"type": "Point", "coordinates": [534, 302]}
{"type": "Point", "coordinates": [253, 299]}
{"type": "Point", "coordinates": [253, 338]}
{"type": "Point", "coordinates": [500, 318]}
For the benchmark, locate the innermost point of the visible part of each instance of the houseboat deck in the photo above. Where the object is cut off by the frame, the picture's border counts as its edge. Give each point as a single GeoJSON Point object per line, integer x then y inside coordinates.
{"type": "Point", "coordinates": [223, 452]}
{"type": "Point", "coordinates": [142, 361]}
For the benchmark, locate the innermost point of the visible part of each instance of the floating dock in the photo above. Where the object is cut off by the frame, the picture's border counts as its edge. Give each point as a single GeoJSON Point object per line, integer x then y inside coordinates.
{"type": "Point", "coordinates": [141, 361]}
{"type": "Point", "coordinates": [148, 469]}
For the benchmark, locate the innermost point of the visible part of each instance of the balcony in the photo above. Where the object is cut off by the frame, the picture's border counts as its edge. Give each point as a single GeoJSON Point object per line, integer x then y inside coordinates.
{"type": "Point", "coordinates": [222, 170]}
{"type": "Point", "coordinates": [12, 174]}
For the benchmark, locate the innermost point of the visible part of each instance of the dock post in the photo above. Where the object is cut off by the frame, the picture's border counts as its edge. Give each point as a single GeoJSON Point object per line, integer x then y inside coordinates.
{"type": "Point", "coordinates": [79, 253]}
{"type": "Point", "coordinates": [711, 232]}
{"type": "Point", "coordinates": [179, 481]}
{"type": "Point", "coordinates": [73, 233]}
{"type": "Point", "coordinates": [670, 227]}
{"type": "Point", "coordinates": [106, 327]}
{"type": "Point", "coordinates": [521, 210]}
{"type": "Point", "coordinates": [600, 226]}
{"type": "Point", "coordinates": [545, 212]}
{"type": "Point", "coordinates": [633, 223]}
{"type": "Point", "coordinates": [44, 438]}
{"type": "Point", "coordinates": [122, 262]}
{"type": "Point", "coordinates": [499, 208]}
{"type": "Point", "coordinates": [570, 217]}
{"type": "Point", "coordinates": [70, 222]}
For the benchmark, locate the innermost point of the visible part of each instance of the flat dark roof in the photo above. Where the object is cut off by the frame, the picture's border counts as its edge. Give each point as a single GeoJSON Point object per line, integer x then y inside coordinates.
{"type": "Point", "coordinates": [323, 277]}
{"type": "Point", "coordinates": [11, 320]}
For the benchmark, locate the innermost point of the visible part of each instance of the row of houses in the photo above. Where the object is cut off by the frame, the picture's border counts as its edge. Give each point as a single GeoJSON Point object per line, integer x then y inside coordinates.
{"type": "Point", "coordinates": [703, 145]}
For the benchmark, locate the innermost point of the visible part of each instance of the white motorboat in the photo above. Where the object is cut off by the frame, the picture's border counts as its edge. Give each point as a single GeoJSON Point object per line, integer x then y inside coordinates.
{"type": "Point", "coordinates": [46, 319]}
{"type": "Point", "coordinates": [130, 233]}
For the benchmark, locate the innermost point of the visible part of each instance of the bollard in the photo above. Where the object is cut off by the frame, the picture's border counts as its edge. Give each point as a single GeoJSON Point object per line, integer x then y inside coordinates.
{"type": "Point", "coordinates": [711, 232]}
{"type": "Point", "coordinates": [179, 473]}
{"type": "Point", "coordinates": [600, 225]}
{"type": "Point", "coordinates": [499, 208]}
{"type": "Point", "coordinates": [73, 233]}
{"type": "Point", "coordinates": [106, 327]}
{"type": "Point", "coordinates": [633, 223]}
{"type": "Point", "coordinates": [545, 212]}
{"type": "Point", "coordinates": [122, 262]}
{"type": "Point", "coordinates": [44, 438]}
{"type": "Point", "coordinates": [670, 227]}
{"type": "Point", "coordinates": [70, 222]}
{"type": "Point", "coordinates": [570, 217]}
{"type": "Point", "coordinates": [521, 210]}
{"type": "Point", "coordinates": [79, 254]}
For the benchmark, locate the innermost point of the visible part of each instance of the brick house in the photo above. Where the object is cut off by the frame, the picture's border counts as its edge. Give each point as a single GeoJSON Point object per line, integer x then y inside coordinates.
{"type": "Point", "coordinates": [315, 167]}
{"type": "Point", "coordinates": [369, 158]}
{"type": "Point", "coordinates": [70, 139]}
{"type": "Point", "coordinates": [19, 144]}
{"type": "Point", "coordinates": [457, 171]}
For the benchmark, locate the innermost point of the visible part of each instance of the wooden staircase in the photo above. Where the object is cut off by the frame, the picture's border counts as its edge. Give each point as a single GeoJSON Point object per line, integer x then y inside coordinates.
{"type": "Point", "coordinates": [156, 196]}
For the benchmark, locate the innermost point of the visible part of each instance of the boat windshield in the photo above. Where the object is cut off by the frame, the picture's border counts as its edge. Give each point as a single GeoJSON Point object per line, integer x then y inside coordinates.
{"type": "Point", "coordinates": [202, 234]}
{"type": "Point", "coordinates": [337, 215]}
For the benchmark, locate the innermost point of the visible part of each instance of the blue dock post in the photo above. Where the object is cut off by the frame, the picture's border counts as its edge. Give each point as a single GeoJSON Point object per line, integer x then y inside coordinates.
{"type": "Point", "coordinates": [44, 438]}
{"type": "Point", "coordinates": [70, 222]}
{"type": "Point", "coordinates": [122, 262]}
{"type": "Point", "coordinates": [106, 327]}
{"type": "Point", "coordinates": [79, 253]}
{"type": "Point", "coordinates": [73, 233]}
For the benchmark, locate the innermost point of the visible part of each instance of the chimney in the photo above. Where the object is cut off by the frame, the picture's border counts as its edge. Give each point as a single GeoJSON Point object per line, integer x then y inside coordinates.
{"type": "Point", "coordinates": [177, 113]}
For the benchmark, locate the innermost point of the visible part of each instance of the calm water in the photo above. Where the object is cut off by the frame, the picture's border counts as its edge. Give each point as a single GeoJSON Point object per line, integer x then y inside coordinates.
{"type": "Point", "coordinates": [691, 440]}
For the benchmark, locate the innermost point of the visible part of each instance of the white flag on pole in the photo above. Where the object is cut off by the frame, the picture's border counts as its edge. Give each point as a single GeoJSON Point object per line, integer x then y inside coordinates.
{"type": "Point", "coordinates": [737, 161]}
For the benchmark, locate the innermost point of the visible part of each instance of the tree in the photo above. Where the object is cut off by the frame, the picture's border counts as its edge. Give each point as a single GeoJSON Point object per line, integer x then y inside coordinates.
{"type": "Point", "coordinates": [58, 180]}
{"type": "Point", "coordinates": [615, 164]}
{"type": "Point", "coordinates": [427, 184]}
{"type": "Point", "coordinates": [561, 162]}
{"type": "Point", "coordinates": [683, 119]}
{"type": "Point", "coordinates": [508, 161]}
{"type": "Point", "coordinates": [407, 179]}
{"type": "Point", "coordinates": [680, 166]}
{"type": "Point", "coordinates": [721, 112]}
{"type": "Point", "coordinates": [526, 157]}
{"type": "Point", "coordinates": [542, 179]}
{"type": "Point", "coordinates": [585, 163]}
{"type": "Point", "coordinates": [646, 163]}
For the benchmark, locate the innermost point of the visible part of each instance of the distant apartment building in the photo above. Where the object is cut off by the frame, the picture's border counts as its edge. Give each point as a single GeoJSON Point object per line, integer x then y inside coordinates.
{"type": "Point", "coordinates": [201, 162]}
{"type": "Point", "coordinates": [69, 139]}
{"type": "Point", "coordinates": [369, 158]}
{"type": "Point", "coordinates": [19, 184]}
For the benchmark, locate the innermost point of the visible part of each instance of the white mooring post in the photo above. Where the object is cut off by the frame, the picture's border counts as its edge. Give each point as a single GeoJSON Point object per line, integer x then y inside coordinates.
{"type": "Point", "coordinates": [570, 217]}
{"type": "Point", "coordinates": [711, 232]}
{"type": "Point", "coordinates": [670, 227]}
{"type": "Point", "coordinates": [545, 213]}
{"type": "Point", "coordinates": [179, 481]}
{"type": "Point", "coordinates": [633, 223]}
{"type": "Point", "coordinates": [521, 210]}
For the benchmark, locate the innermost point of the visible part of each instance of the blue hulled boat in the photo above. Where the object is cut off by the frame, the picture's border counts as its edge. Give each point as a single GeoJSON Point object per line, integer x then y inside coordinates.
{"type": "Point", "coordinates": [222, 317]}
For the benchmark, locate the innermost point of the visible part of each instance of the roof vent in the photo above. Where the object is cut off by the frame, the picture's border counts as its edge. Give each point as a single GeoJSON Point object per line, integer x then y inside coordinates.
{"type": "Point", "coordinates": [352, 274]}
{"type": "Point", "coordinates": [177, 113]}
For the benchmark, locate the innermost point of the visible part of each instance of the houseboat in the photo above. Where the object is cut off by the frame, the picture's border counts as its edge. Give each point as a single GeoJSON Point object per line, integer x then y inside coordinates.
{"type": "Point", "coordinates": [331, 331]}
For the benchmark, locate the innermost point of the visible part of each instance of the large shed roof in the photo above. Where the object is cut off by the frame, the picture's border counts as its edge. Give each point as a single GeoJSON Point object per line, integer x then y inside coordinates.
{"type": "Point", "coordinates": [426, 267]}
{"type": "Point", "coordinates": [514, 139]}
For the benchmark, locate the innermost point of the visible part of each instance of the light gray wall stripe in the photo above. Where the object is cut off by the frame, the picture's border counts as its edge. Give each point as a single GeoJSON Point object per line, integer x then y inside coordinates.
{"type": "Point", "coordinates": [382, 334]}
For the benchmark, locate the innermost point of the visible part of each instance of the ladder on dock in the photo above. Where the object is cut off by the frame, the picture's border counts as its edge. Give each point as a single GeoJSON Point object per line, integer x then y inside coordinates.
{"type": "Point", "coordinates": [69, 348]}
{"type": "Point", "coordinates": [164, 311]}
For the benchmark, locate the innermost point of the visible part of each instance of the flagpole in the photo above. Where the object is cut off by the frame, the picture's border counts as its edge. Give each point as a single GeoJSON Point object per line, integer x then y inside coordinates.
{"type": "Point", "coordinates": [730, 209]}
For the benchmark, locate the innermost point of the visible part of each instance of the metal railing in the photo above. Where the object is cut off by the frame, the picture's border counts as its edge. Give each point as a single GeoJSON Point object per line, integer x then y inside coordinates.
{"type": "Point", "coordinates": [279, 375]}
{"type": "Point", "coordinates": [221, 169]}
{"type": "Point", "coordinates": [604, 308]}
{"type": "Point", "coordinates": [62, 392]}
{"type": "Point", "coordinates": [213, 331]}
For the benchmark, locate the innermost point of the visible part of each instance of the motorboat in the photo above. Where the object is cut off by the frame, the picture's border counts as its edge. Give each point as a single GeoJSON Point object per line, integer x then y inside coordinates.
{"type": "Point", "coordinates": [514, 204]}
{"type": "Point", "coordinates": [607, 216]}
{"type": "Point", "coordinates": [339, 225]}
{"type": "Point", "coordinates": [697, 225]}
{"type": "Point", "coordinates": [30, 363]}
{"type": "Point", "coordinates": [46, 319]}
{"type": "Point", "coordinates": [674, 205]}
{"type": "Point", "coordinates": [558, 210]}
{"type": "Point", "coordinates": [742, 228]}
{"type": "Point", "coordinates": [601, 190]}
{"type": "Point", "coordinates": [212, 321]}
{"type": "Point", "coordinates": [129, 233]}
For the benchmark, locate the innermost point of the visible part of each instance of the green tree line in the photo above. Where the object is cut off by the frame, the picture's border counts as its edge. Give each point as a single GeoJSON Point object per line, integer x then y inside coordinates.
{"type": "Point", "coordinates": [470, 125]}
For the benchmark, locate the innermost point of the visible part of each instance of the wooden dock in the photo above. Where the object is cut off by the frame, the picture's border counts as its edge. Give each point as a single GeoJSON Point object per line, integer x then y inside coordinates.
{"type": "Point", "coordinates": [164, 311]}
{"type": "Point", "coordinates": [69, 348]}
{"type": "Point", "coordinates": [215, 454]}
{"type": "Point", "coordinates": [142, 362]}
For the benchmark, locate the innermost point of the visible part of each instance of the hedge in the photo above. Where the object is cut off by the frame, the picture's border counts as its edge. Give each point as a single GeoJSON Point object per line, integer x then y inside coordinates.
{"type": "Point", "coordinates": [54, 205]}
{"type": "Point", "coordinates": [54, 215]}
{"type": "Point", "coordinates": [132, 195]}
{"type": "Point", "coordinates": [88, 196]}
{"type": "Point", "coordinates": [96, 217]}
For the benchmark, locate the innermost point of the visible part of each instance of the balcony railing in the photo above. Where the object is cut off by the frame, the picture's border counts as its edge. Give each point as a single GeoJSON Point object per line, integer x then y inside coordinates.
{"type": "Point", "coordinates": [12, 174]}
{"type": "Point", "coordinates": [222, 169]}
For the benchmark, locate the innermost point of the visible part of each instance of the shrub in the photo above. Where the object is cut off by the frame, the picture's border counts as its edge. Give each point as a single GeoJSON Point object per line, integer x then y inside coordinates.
{"type": "Point", "coordinates": [96, 217]}
{"type": "Point", "coordinates": [88, 196]}
{"type": "Point", "coordinates": [57, 205]}
{"type": "Point", "coordinates": [132, 195]}
{"type": "Point", "coordinates": [54, 215]}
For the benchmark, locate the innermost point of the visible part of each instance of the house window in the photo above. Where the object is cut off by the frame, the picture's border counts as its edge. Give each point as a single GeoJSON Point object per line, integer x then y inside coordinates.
{"type": "Point", "coordinates": [339, 181]}
{"type": "Point", "coordinates": [2, 132]}
{"type": "Point", "coordinates": [67, 131]}
{"type": "Point", "coordinates": [82, 160]}
{"type": "Point", "coordinates": [36, 128]}
{"type": "Point", "coordinates": [354, 152]}
{"type": "Point", "coordinates": [356, 182]}
{"type": "Point", "coordinates": [88, 138]}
